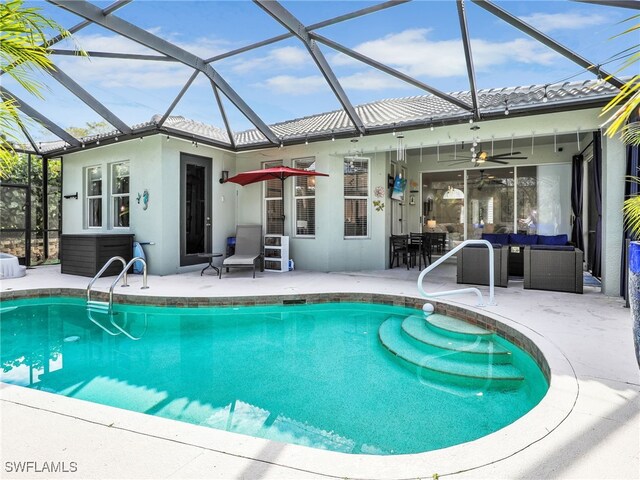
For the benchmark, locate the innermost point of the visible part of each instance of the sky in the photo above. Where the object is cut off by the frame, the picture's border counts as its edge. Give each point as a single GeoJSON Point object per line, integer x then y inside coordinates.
{"type": "Point", "coordinates": [281, 82]}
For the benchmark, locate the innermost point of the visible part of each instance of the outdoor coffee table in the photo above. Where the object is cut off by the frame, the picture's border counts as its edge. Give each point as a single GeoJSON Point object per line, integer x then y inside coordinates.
{"type": "Point", "coordinates": [210, 256]}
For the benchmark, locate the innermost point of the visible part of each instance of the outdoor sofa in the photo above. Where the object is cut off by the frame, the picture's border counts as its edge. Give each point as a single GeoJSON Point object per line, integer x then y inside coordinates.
{"type": "Point", "coordinates": [546, 262]}
{"type": "Point", "coordinates": [473, 262]}
{"type": "Point", "coordinates": [557, 268]}
{"type": "Point", "coordinates": [518, 243]}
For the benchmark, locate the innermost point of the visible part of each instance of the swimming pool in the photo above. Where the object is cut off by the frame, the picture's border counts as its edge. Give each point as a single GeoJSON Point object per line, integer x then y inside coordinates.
{"type": "Point", "coordinates": [321, 375]}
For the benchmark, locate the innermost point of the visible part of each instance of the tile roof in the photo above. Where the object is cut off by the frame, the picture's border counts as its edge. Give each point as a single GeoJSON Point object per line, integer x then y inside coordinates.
{"type": "Point", "coordinates": [429, 108]}
{"type": "Point", "coordinates": [387, 113]}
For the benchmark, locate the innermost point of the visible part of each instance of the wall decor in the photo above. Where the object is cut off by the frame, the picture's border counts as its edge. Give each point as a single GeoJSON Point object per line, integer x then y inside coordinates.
{"type": "Point", "coordinates": [145, 199]}
{"type": "Point", "coordinates": [378, 192]}
{"type": "Point", "coordinates": [379, 205]}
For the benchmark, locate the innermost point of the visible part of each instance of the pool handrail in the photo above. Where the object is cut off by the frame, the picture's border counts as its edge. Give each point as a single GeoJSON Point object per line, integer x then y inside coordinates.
{"type": "Point", "coordinates": [102, 270]}
{"type": "Point", "coordinates": [461, 290]}
{"type": "Point", "coordinates": [100, 325]}
{"type": "Point", "coordinates": [124, 272]}
{"type": "Point", "coordinates": [127, 334]}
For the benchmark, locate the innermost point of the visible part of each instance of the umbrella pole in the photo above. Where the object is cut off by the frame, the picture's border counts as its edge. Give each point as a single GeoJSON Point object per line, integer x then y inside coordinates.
{"type": "Point", "coordinates": [282, 180]}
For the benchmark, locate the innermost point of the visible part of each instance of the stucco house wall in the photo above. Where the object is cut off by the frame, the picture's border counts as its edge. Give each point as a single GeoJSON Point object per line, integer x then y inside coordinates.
{"type": "Point", "coordinates": [155, 167]}
{"type": "Point", "coordinates": [155, 164]}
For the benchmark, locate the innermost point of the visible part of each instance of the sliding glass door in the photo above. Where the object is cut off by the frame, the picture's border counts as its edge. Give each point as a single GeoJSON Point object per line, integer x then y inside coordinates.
{"type": "Point", "coordinates": [490, 201]}
{"type": "Point", "coordinates": [527, 200]}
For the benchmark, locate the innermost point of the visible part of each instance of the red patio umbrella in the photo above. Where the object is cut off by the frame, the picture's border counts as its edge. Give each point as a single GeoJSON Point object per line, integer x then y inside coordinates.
{"type": "Point", "coordinates": [255, 176]}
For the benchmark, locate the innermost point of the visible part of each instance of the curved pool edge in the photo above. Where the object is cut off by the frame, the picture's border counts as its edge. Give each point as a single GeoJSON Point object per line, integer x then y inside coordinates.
{"type": "Point", "coordinates": [529, 429]}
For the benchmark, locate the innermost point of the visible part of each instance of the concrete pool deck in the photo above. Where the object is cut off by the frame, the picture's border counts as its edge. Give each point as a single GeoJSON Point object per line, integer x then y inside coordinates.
{"type": "Point", "coordinates": [587, 427]}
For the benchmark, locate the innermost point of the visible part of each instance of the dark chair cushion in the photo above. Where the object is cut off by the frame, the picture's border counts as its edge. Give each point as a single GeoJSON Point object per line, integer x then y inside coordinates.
{"type": "Point", "coordinates": [553, 239]}
{"type": "Point", "coordinates": [563, 248]}
{"type": "Point", "coordinates": [501, 238]}
{"type": "Point", "coordinates": [518, 239]}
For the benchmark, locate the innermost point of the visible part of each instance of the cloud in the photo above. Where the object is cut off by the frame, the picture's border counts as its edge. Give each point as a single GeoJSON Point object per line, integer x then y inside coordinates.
{"type": "Point", "coordinates": [116, 73]}
{"type": "Point", "coordinates": [292, 85]}
{"type": "Point", "coordinates": [548, 22]}
{"type": "Point", "coordinates": [371, 81]}
{"type": "Point", "coordinates": [277, 58]}
{"type": "Point", "coordinates": [412, 52]}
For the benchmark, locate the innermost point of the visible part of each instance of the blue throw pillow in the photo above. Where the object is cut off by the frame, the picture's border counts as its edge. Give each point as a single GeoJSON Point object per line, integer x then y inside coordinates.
{"type": "Point", "coordinates": [518, 239]}
{"type": "Point", "coordinates": [553, 239]}
{"type": "Point", "coordinates": [501, 238]}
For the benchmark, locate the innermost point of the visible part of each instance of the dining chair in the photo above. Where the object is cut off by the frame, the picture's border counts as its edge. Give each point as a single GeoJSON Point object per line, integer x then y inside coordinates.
{"type": "Point", "coordinates": [399, 247]}
{"type": "Point", "coordinates": [420, 246]}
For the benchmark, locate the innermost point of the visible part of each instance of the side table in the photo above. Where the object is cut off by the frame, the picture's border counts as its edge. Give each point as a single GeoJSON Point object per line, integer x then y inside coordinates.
{"type": "Point", "coordinates": [210, 256]}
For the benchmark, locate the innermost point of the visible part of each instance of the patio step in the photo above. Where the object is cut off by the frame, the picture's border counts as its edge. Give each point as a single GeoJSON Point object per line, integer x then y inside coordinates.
{"type": "Point", "coordinates": [479, 348]}
{"type": "Point", "coordinates": [441, 366]}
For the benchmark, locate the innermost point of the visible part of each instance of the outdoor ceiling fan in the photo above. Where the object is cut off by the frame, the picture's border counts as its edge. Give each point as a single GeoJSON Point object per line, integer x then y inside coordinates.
{"type": "Point", "coordinates": [485, 180]}
{"type": "Point", "coordinates": [482, 157]}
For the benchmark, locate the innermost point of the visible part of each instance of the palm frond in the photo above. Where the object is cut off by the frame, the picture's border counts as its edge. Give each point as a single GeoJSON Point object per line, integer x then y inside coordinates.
{"type": "Point", "coordinates": [631, 211]}
{"type": "Point", "coordinates": [10, 125]}
{"type": "Point", "coordinates": [630, 133]}
{"type": "Point", "coordinates": [23, 50]}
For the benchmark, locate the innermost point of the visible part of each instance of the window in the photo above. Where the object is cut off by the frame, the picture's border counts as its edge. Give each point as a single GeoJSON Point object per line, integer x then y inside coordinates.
{"type": "Point", "coordinates": [94, 197]}
{"type": "Point", "coordinates": [356, 197]}
{"type": "Point", "coordinates": [273, 206]}
{"type": "Point", "coordinates": [305, 195]}
{"type": "Point", "coordinates": [120, 194]}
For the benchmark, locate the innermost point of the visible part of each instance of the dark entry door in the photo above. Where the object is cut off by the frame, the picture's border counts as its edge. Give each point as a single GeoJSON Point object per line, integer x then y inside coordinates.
{"type": "Point", "coordinates": [195, 208]}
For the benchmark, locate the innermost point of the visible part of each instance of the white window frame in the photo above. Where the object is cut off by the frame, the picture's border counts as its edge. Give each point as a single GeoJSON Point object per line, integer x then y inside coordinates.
{"type": "Point", "coordinates": [88, 197]}
{"type": "Point", "coordinates": [367, 198]}
{"type": "Point", "coordinates": [263, 165]}
{"type": "Point", "coordinates": [113, 196]}
{"type": "Point", "coordinates": [302, 197]}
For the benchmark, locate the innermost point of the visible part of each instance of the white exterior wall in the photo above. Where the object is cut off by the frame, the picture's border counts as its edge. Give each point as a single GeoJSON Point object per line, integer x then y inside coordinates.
{"type": "Point", "coordinates": [613, 178]}
{"type": "Point", "coordinates": [223, 206]}
{"type": "Point", "coordinates": [329, 250]}
{"type": "Point", "coordinates": [144, 160]}
{"type": "Point", "coordinates": [155, 166]}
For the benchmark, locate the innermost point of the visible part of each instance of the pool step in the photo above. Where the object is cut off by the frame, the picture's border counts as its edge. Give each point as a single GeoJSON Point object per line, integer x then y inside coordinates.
{"type": "Point", "coordinates": [476, 348]}
{"type": "Point", "coordinates": [455, 328]}
{"type": "Point", "coordinates": [439, 365]}
{"type": "Point", "coordinates": [97, 306]}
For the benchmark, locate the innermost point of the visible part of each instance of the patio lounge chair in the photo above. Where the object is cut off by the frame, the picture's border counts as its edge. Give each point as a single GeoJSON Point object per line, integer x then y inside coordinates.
{"type": "Point", "coordinates": [248, 249]}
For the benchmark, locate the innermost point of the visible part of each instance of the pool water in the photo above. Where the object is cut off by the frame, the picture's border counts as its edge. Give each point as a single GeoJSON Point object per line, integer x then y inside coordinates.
{"type": "Point", "coordinates": [314, 375]}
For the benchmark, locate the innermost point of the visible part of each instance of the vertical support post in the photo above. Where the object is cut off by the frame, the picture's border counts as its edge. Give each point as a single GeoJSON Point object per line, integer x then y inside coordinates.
{"type": "Point", "coordinates": [45, 206]}
{"type": "Point", "coordinates": [27, 230]}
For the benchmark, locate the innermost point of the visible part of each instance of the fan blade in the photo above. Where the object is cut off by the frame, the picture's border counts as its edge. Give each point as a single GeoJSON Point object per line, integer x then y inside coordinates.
{"type": "Point", "coordinates": [497, 161]}
{"type": "Point", "coordinates": [459, 162]}
{"type": "Point", "coordinates": [506, 154]}
{"type": "Point", "coordinates": [511, 158]}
